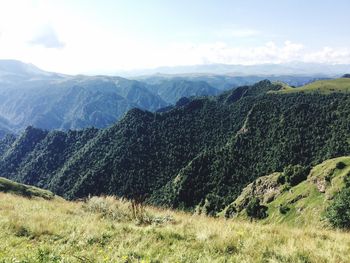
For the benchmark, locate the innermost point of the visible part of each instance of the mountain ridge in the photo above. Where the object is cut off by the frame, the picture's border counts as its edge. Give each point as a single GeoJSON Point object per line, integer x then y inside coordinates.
{"type": "Point", "coordinates": [208, 148]}
{"type": "Point", "coordinates": [243, 70]}
{"type": "Point", "coordinates": [30, 96]}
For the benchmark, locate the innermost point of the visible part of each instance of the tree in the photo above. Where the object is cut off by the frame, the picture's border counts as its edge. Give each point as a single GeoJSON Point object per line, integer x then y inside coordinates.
{"type": "Point", "coordinates": [340, 165]}
{"type": "Point", "coordinates": [294, 174]}
{"type": "Point", "coordinates": [212, 204]}
{"type": "Point", "coordinates": [338, 213]}
{"type": "Point", "coordinates": [255, 209]}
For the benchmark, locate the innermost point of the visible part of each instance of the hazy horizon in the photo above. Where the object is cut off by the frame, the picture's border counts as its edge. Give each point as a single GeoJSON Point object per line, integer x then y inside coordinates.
{"type": "Point", "coordinates": [91, 37]}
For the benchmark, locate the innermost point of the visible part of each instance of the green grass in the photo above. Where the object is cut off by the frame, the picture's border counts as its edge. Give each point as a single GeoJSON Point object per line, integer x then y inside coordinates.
{"type": "Point", "coordinates": [308, 200]}
{"type": "Point", "coordinates": [9, 186]}
{"type": "Point", "coordinates": [305, 202]}
{"type": "Point", "coordinates": [341, 85]}
{"type": "Point", "coordinates": [103, 230]}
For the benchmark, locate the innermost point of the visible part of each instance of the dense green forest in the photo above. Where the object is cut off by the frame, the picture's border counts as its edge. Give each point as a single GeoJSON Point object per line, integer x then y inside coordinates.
{"type": "Point", "coordinates": [202, 152]}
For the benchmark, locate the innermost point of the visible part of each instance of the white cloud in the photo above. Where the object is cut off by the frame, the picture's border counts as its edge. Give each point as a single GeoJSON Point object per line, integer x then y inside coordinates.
{"type": "Point", "coordinates": [221, 52]}
{"type": "Point", "coordinates": [329, 55]}
{"type": "Point", "coordinates": [270, 52]}
{"type": "Point", "coordinates": [90, 47]}
{"type": "Point", "coordinates": [47, 37]}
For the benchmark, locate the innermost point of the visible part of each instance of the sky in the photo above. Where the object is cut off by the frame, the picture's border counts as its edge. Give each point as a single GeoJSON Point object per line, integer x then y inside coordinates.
{"type": "Point", "coordinates": [102, 36]}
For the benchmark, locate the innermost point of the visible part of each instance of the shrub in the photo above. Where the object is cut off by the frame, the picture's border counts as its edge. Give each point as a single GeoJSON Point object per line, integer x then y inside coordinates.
{"type": "Point", "coordinates": [230, 211]}
{"type": "Point", "coordinates": [338, 213]}
{"type": "Point", "coordinates": [122, 211]}
{"type": "Point", "coordinates": [294, 174]}
{"type": "Point", "coordinates": [109, 207]}
{"type": "Point", "coordinates": [255, 209]}
{"type": "Point", "coordinates": [212, 204]}
{"type": "Point", "coordinates": [284, 209]}
{"type": "Point", "coordinates": [281, 179]}
{"type": "Point", "coordinates": [347, 179]}
{"type": "Point", "coordinates": [340, 165]}
{"type": "Point", "coordinates": [285, 188]}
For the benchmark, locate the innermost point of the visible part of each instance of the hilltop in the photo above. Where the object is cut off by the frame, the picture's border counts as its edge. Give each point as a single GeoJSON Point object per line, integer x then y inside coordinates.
{"type": "Point", "coordinates": [341, 85]}
{"type": "Point", "coordinates": [8, 186]}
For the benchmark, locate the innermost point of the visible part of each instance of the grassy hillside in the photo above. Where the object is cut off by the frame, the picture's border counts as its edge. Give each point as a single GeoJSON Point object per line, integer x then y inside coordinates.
{"type": "Point", "coordinates": [9, 186]}
{"type": "Point", "coordinates": [308, 200]}
{"type": "Point", "coordinates": [103, 230]}
{"type": "Point", "coordinates": [341, 85]}
{"type": "Point", "coordinates": [303, 204]}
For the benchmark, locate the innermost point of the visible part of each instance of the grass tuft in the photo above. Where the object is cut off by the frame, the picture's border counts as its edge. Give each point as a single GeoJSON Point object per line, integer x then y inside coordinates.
{"type": "Point", "coordinates": [102, 230]}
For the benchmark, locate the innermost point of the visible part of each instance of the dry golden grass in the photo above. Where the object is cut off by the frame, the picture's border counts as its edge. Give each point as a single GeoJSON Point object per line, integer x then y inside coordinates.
{"type": "Point", "coordinates": [103, 230]}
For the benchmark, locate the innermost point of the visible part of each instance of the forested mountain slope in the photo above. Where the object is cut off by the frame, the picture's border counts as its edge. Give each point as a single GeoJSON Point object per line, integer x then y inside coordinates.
{"type": "Point", "coordinates": [227, 81]}
{"type": "Point", "coordinates": [279, 130]}
{"type": "Point", "coordinates": [171, 90]}
{"type": "Point", "coordinates": [201, 153]}
{"type": "Point", "coordinates": [73, 102]}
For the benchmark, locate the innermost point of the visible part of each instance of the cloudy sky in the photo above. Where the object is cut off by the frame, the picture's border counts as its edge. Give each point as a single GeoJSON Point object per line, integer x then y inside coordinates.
{"type": "Point", "coordinates": [104, 36]}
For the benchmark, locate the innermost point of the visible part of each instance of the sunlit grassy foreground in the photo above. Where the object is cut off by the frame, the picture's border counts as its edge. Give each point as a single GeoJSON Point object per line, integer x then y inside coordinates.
{"type": "Point", "coordinates": [103, 230]}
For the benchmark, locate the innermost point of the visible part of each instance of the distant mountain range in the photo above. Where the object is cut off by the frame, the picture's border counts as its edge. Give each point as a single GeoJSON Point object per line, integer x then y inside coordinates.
{"type": "Point", "coordinates": [30, 96]}
{"type": "Point", "coordinates": [47, 100]}
{"type": "Point", "coordinates": [292, 68]}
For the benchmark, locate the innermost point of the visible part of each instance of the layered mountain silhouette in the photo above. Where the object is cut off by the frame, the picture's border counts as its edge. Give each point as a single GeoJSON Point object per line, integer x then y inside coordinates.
{"type": "Point", "coordinates": [203, 151]}
{"type": "Point", "coordinates": [30, 96]}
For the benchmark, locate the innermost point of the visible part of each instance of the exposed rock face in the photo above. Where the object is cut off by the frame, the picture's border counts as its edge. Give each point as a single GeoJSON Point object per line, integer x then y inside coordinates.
{"type": "Point", "coordinates": [322, 181]}
{"type": "Point", "coordinates": [321, 185]}
{"type": "Point", "coordinates": [266, 188]}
